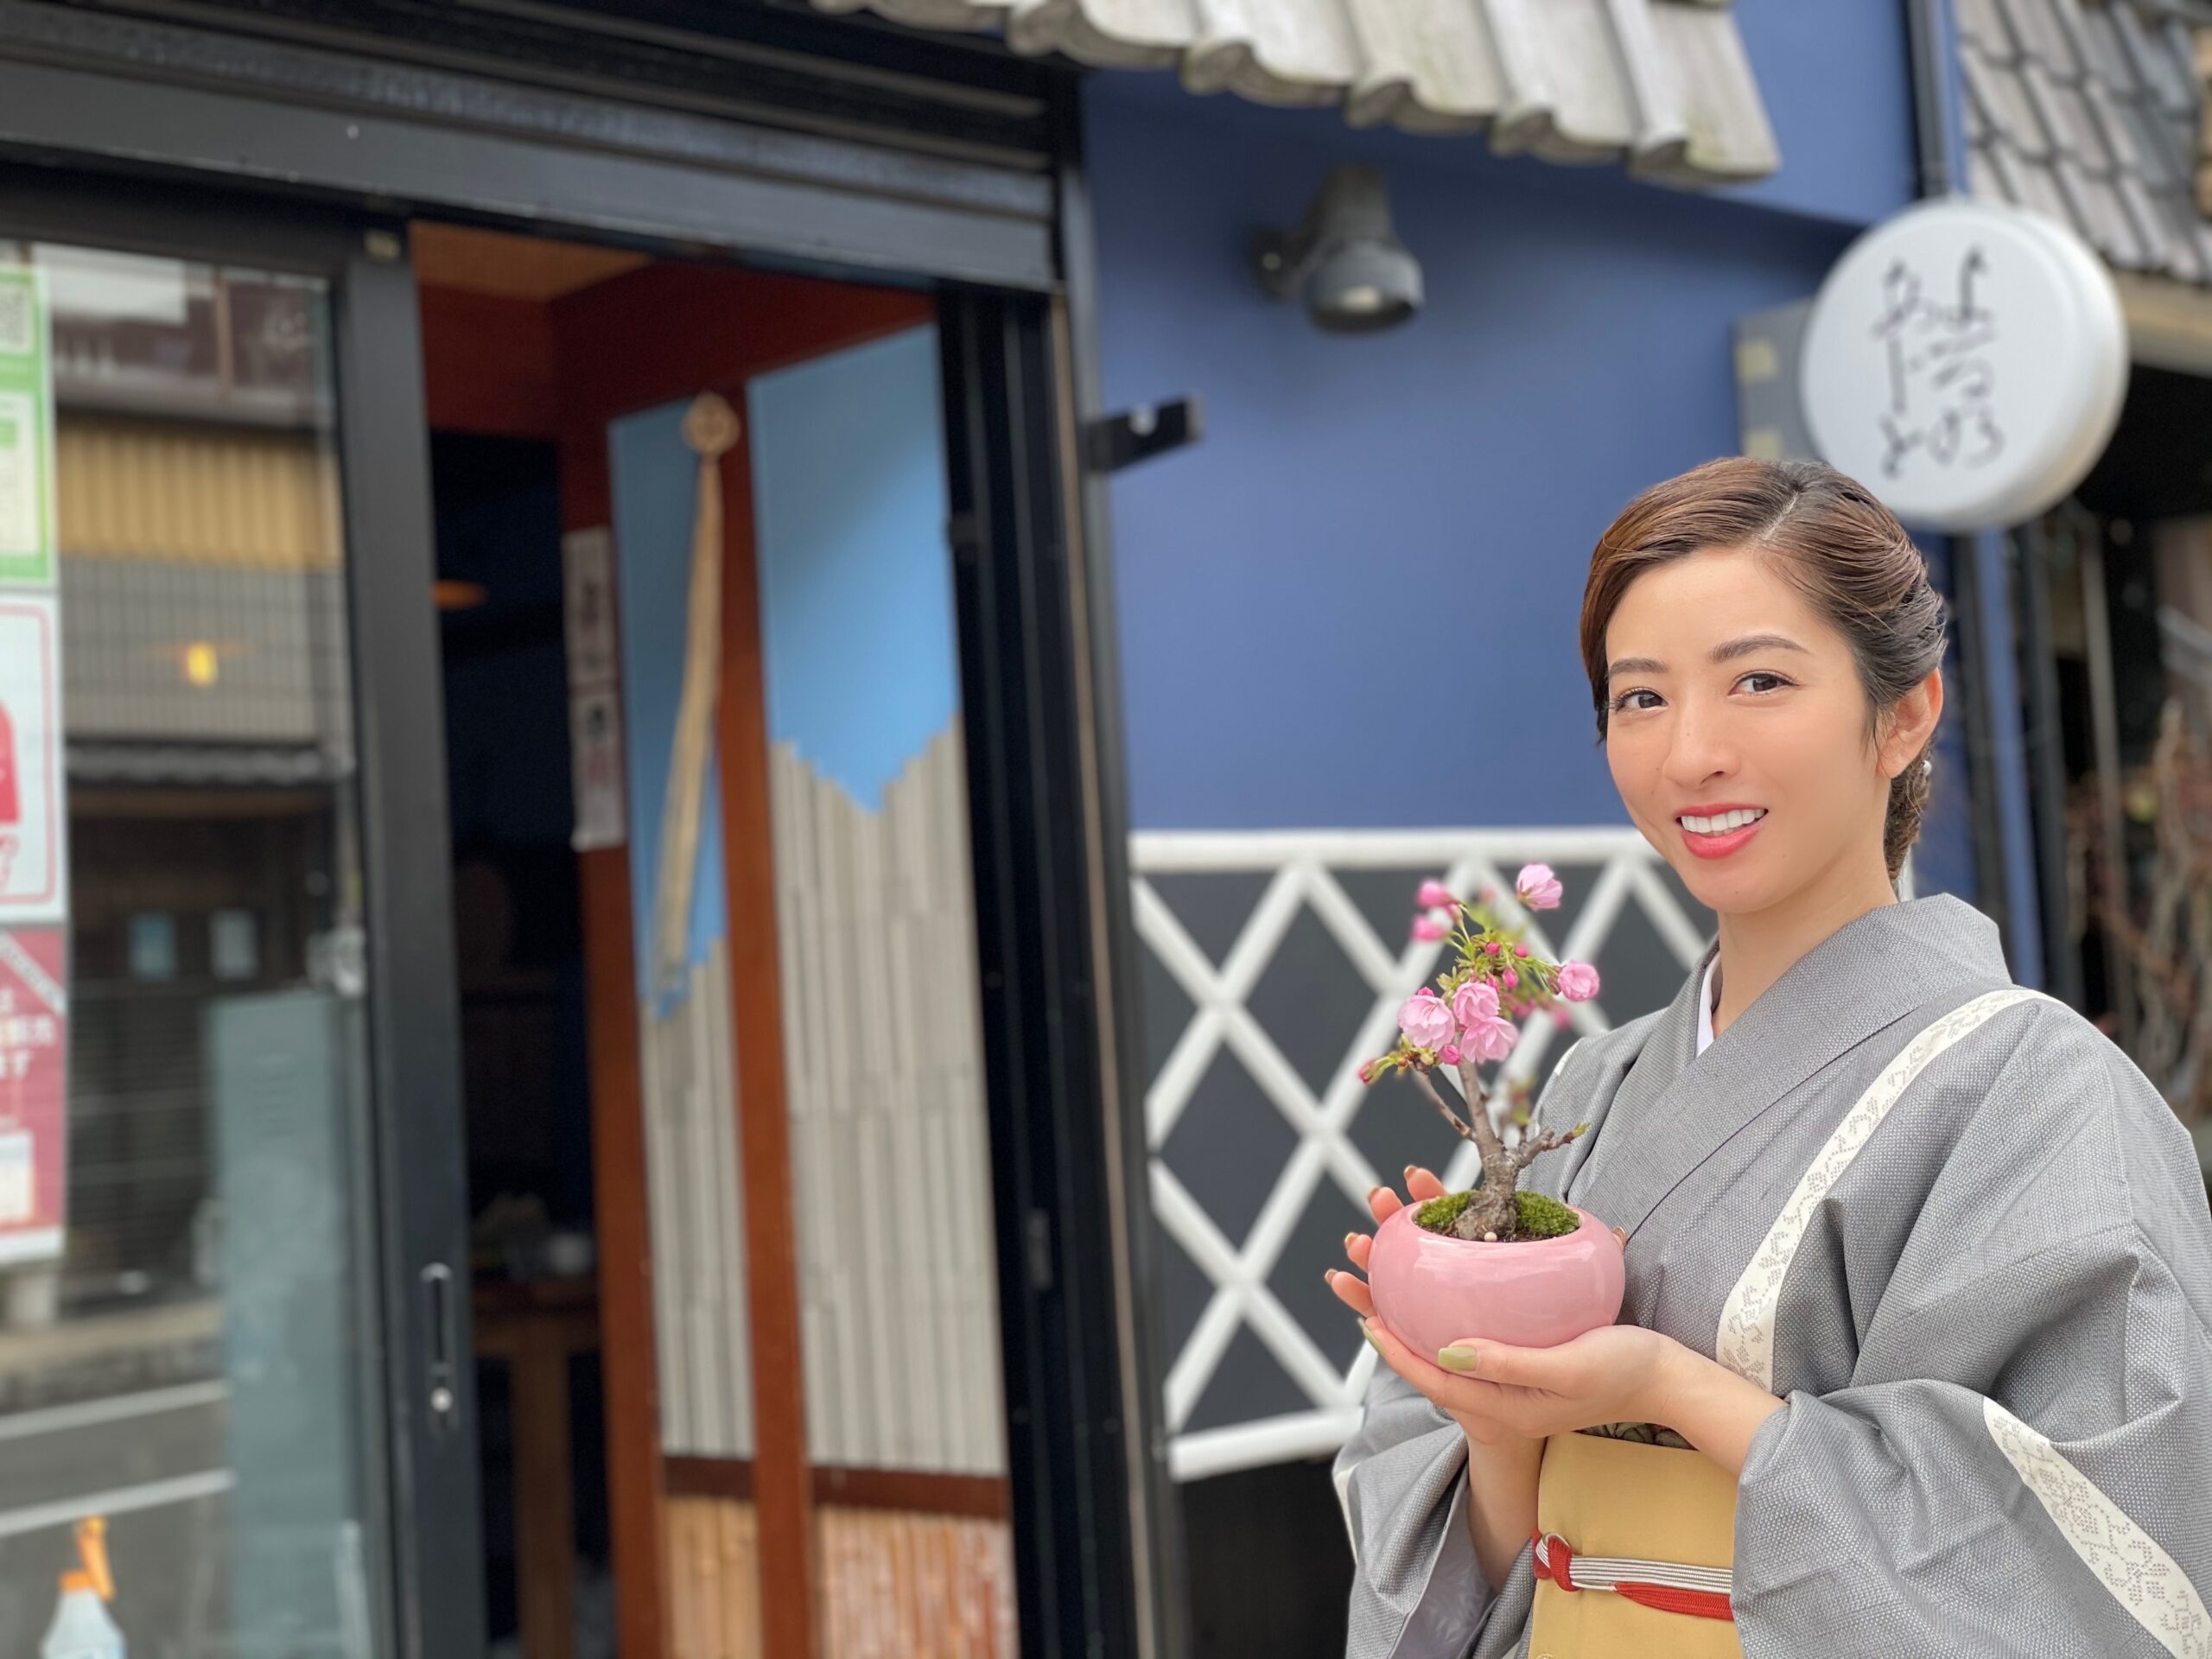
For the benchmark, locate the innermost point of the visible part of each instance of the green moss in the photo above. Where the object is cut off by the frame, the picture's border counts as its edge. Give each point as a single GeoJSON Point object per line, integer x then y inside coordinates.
{"type": "Point", "coordinates": [1543, 1217]}
{"type": "Point", "coordinates": [1540, 1217]}
{"type": "Point", "coordinates": [1440, 1213]}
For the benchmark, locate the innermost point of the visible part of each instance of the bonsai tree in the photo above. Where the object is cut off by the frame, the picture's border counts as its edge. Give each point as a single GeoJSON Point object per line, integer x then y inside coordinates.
{"type": "Point", "coordinates": [1467, 1017]}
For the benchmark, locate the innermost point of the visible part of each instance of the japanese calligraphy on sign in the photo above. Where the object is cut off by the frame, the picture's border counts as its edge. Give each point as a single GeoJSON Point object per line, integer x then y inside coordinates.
{"type": "Point", "coordinates": [1966, 361]}
{"type": "Point", "coordinates": [1943, 378]}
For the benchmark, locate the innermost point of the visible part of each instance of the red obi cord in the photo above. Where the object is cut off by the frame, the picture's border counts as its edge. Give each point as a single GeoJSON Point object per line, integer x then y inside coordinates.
{"type": "Point", "coordinates": [1696, 1591]}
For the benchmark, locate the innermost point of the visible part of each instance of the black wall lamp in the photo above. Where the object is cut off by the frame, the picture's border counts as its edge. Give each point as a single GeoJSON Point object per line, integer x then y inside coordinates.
{"type": "Point", "coordinates": [1355, 275]}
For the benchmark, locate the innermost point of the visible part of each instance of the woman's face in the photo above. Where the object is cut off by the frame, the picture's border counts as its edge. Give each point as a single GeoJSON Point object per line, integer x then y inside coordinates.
{"type": "Point", "coordinates": [1737, 733]}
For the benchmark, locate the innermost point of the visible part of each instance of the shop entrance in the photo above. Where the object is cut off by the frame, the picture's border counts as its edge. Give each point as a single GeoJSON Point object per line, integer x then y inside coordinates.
{"type": "Point", "coordinates": [737, 1327]}
{"type": "Point", "coordinates": [797, 1248]}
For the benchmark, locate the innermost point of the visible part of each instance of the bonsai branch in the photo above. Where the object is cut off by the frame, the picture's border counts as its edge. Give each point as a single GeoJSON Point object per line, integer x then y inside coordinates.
{"type": "Point", "coordinates": [1437, 1100]}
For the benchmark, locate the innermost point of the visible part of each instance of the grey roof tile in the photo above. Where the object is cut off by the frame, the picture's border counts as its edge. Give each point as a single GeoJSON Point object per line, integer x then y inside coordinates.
{"type": "Point", "coordinates": [2154, 148]}
{"type": "Point", "coordinates": [2004, 104]}
{"type": "Point", "coordinates": [2089, 110]}
{"type": "Point", "coordinates": [2181, 46]}
{"type": "Point", "coordinates": [1665, 86]}
{"type": "Point", "coordinates": [2107, 58]}
{"type": "Point", "coordinates": [2185, 250]}
{"type": "Point", "coordinates": [1984, 180]}
{"type": "Point", "coordinates": [2200, 235]}
{"type": "Point", "coordinates": [2143, 213]}
{"type": "Point", "coordinates": [2115, 123]}
{"type": "Point", "coordinates": [1980, 23]}
{"type": "Point", "coordinates": [1999, 163]}
{"type": "Point", "coordinates": [2099, 213]}
{"type": "Point", "coordinates": [2039, 37]}
{"type": "Point", "coordinates": [2170, 81]}
{"type": "Point", "coordinates": [2066, 116]}
{"type": "Point", "coordinates": [2183, 136]}
{"type": "Point", "coordinates": [2039, 190]}
{"type": "Point", "coordinates": [2067, 14]}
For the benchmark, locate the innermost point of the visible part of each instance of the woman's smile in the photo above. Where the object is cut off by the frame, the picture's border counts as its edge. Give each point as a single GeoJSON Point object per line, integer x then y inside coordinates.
{"type": "Point", "coordinates": [1715, 832]}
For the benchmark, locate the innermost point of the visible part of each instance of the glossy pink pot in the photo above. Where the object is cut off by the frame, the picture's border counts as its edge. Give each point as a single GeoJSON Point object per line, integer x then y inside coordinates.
{"type": "Point", "coordinates": [1431, 1291]}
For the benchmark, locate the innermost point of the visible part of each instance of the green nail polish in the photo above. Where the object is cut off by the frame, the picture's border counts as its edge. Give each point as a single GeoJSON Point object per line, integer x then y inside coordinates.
{"type": "Point", "coordinates": [1456, 1359]}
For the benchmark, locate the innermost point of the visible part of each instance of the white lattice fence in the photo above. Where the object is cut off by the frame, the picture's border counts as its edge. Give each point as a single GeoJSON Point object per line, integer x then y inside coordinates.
{"type": "Point", "coordinates": [1300, 870]}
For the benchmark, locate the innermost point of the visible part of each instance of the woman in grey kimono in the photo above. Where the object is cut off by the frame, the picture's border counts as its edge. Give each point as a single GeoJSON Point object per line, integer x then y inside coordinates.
{"type": "Point", "coordinates": [1916, 1354]}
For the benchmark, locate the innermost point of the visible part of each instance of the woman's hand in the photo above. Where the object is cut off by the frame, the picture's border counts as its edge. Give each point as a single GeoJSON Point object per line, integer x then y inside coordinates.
{"type": "Point", "coordinates": [1496, 1392]}
{"type": "Point", "coordinates": [1616, 1374]}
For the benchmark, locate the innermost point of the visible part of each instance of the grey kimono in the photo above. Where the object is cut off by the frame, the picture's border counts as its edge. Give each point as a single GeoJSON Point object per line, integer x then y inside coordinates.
{"type": "Point", "coordinates": [1979, 1272]}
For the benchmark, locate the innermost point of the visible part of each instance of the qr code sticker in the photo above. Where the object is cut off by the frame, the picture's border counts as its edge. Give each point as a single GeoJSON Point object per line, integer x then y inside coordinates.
{"type": "Point", "coordinates": [17, 1203]}
{"type": "Point", "coordinates": [18, 320]}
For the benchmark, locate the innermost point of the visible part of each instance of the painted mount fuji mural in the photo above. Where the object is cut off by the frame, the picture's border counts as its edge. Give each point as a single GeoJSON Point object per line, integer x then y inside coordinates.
{"type": "Point", "coordinates": [867, 788]}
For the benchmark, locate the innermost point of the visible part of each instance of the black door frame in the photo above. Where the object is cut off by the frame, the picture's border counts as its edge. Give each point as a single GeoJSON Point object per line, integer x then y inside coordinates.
{"type": "Point", "coordinates": [424, 1512]}
{"type": "Point", "coordinates": [213, 131]}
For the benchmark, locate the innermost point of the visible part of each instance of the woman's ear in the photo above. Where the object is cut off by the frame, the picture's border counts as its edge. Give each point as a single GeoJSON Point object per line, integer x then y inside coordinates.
{"type": "Point", "coordinates": [1911, 723]}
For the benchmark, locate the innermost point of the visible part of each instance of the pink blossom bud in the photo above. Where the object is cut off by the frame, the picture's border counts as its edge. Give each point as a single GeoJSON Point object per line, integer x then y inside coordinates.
{"type": "Point", "coordinates": [1537, 887]}
{"type": "Point", "coordinates": [1493, 947]}
{"type": "Point", "coordinates": [1490, 895]}
{"type": "Point", "coordinates": [1578, 981]}
{"type": "Point", "coordinates": [1434, 894]}
{"type": "Point", "coordinates": [1474, 1002]}
{"type": "Point", "coordinates": [1559, 1016]}
{"type": "Point", "coordinates": [1367, 1072]}
{"type": "Point", "coordinates": [1424, 1019]}
{"type": "Point", "coordinates": [1428, 930]}
{"type": "Point", "coordinates": [1521, 950]}
{"type": "Point", "coordinates": [1511, 979]}
{"type": "Point", "coordinates": [1449, 1054]}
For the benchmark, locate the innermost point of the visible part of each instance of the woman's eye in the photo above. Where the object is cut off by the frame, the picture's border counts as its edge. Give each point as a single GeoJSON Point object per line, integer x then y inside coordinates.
{"type": "Point", "coordinates": [1773, 682]}
{"type": "Point", "coordinates": [1627, 702]}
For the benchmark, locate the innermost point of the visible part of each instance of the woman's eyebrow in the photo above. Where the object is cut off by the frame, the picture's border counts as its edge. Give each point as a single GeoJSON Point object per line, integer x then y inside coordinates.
{"type": "Point", "coordinates": [1753, 642]}
{"type": "Point", "coordinates": [1726, 651]}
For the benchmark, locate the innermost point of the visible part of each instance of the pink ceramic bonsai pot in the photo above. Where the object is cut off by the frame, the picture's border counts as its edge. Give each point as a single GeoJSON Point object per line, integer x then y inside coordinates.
{"type": "Point", "coordinates": [1431, 1290]}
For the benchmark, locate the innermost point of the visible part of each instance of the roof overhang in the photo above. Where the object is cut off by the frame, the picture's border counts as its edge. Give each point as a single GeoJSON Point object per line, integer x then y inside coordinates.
{"type": "Point", "coordinates": [1663, 86]}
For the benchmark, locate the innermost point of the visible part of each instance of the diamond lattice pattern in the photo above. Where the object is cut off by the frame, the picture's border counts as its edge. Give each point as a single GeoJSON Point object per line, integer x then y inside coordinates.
{"type": "Point", "coordinates": [1626, 881]}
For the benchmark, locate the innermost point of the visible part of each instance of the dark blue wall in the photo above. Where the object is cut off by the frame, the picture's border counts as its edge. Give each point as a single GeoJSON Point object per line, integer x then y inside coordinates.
{"type": "Point", "coordinates": [1354, 603]}
{"type": "Point", "coordinates": [1838, 80]}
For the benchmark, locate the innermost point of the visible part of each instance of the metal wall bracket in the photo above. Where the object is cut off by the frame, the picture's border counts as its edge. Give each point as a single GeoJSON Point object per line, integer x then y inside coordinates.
{"type": "Point", "coordinates": [1113, 441]}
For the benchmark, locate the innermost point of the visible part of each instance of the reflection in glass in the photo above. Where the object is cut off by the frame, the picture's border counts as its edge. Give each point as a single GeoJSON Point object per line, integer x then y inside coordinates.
{"type": "Point", "coordinates": [196, 1364]}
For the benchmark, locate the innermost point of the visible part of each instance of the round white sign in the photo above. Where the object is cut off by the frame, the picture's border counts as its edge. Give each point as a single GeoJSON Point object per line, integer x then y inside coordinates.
{"type": "Point", "coordinates": [1966, 362]}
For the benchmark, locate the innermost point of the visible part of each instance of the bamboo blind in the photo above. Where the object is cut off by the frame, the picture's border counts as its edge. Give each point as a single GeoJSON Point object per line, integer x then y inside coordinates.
{"type": "Point", "coordinates": [697, 1218]}
{"type": "Point", "coordinates": [890, 1151]}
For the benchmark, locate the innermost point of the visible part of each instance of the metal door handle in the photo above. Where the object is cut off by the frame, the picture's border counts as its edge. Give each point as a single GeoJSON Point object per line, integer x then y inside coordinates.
{"type": "Point", "coordinates": [441, 1379]}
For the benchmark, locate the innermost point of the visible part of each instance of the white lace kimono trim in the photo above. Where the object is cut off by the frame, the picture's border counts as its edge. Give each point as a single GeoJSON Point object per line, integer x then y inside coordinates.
{"type": "Point", "coordinates": [2142, 1577]}
{"type": "Point", "coordinates": [1745, 1344]}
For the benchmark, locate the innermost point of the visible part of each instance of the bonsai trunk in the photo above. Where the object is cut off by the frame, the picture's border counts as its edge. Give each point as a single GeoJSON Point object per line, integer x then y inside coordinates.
{"type": "Point", "coordinates": [1491, 1214]}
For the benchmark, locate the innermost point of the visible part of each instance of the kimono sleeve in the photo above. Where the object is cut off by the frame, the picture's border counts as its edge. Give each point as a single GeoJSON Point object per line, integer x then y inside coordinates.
{"type": "Point", "coordinates": [1417, 1590]}
{"type": "Point", "coordinates": [2023, 1462]}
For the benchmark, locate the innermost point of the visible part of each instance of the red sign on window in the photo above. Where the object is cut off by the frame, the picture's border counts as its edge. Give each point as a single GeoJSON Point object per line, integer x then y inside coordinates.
{"type": "Point", "coordinates": [34, 1091]}
{"type": "Point", "coordinates": [34, 881]}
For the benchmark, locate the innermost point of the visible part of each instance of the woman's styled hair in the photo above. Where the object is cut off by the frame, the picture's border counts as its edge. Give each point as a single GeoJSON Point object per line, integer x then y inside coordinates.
{"type": "Point", "coordinates": [1832, 541]}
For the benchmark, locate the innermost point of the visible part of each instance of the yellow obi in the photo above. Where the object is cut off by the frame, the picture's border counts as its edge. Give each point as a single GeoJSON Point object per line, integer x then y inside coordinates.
{"type": "Point", "coordinates": [1658, 1522]}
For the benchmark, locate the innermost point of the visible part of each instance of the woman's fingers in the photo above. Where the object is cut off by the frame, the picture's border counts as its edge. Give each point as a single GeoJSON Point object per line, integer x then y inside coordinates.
{"type": "Point", "coordinates": [1422, 1184]}
{"type": "Point", "coordinates": [1351, 1291]}
{"type": "Point", "coordinates": [1359, 1247]}
{"type": "Point", "coordinates": [1384, 1203]}
{"type": "Point", "coordinates": [1482, 1430]}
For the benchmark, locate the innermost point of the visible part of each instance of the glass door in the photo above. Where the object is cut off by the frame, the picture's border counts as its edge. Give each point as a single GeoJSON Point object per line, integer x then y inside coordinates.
{"type": "Point", "coordinates": [234, 1406]}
